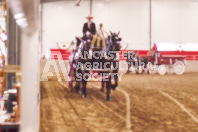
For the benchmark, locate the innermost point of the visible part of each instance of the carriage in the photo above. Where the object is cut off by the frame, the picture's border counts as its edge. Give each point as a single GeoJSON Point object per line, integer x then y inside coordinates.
{"type": "Point", "coordinates": [165, 63]}
{"type": "Point", "coordinates": [90, 63]}
{"type": "Point", "coordinates": [157, 61]}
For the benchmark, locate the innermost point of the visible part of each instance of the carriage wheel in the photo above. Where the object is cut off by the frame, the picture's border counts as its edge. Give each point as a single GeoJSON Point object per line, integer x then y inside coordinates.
{"type": "Point", "coordinates": [151, 68]}
{"type": "Point", "coordinates": [170, 69]}
{"type": "Point", "coordinates": [140, 70]}
{"type": "Point", "coordinates": [179, 67]}
{"type": "Point", "coordinates": [162, 69]}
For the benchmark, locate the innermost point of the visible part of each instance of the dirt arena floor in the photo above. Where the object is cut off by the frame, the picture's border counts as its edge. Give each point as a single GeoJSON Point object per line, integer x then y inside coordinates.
{"type": "Point", "coordinates": [141, 103]}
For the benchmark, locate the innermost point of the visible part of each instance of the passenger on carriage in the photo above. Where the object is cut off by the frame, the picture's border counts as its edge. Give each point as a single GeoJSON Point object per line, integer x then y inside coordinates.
{"type": "Point", "coordinates": [101, 36]}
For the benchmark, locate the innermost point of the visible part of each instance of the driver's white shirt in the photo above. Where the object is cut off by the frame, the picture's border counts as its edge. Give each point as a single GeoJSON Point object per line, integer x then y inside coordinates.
{"type": "Point", "coordinates": [89, 24]}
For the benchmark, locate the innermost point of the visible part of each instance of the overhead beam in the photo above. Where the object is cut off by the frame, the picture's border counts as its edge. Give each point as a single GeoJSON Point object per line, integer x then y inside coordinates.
{"type": "Point", "coordinates": [150, 24]}
{"type": "Point", "coordinates": [48, 1]}
{"type": "Point", "coordinates": [91, 5]}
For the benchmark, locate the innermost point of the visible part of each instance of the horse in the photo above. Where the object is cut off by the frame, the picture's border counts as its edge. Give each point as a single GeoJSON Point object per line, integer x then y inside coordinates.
{"type": "Point", "coordinates": [113, 45]}
{"type": "Point", "coordinates": [136, 61]}
{"type": "Point", "coordinates": [107, 67]}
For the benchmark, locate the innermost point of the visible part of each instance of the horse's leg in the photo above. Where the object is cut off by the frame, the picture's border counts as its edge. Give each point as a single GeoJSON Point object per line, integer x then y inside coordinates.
{"type": "Point", "coordinates": [116, 66]}
{"type": "Point", "coordinates": [103, 67]}
{"type": "Point", "coordinates": [77, 87]}
{"type": "Point", "coordinates": [144, 66]}
{"type": "Point", "coordinates": [108, 89]}
{"type": "Point", "coordinates": [84, 87]}
{"type": "Point", "coordinates": [137, 68]}
{"type": "Point", "coordinates": [143, 69]}
{"type": "Point", "coordinates": [129, 66]}
{"type": "Point", "coordinates": [116, 81]}
{"type": "Point", "coordinates": [103, 85]}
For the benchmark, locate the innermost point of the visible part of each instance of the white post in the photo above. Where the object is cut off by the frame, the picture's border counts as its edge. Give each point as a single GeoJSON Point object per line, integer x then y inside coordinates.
{"type": "Point", "coordinates": [30, 90]}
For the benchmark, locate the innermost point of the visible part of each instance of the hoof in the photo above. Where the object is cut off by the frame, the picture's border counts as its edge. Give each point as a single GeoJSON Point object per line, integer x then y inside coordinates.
{"type": "Point", "coordinates": [84, 95]}
{"type": "Point", "coordinates": [79, 92]}
{"type": "Point", "coordinates": [102, 90]}
{"type": "Point", "coordinates": [70, 90]}
{"type": "Point", "coordinates": [107, 99]}
{"type": "Point", "coordinates": [113, 87]}
{"type": "Point", "coordinates": [128, 72]}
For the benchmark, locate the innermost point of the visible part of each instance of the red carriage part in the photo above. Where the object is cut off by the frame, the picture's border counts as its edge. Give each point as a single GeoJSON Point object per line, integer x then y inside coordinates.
{"type": "Point", "coordinates": [190, 55]}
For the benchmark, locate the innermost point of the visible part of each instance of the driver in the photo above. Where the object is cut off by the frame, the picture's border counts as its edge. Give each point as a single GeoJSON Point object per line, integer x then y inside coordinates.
{"type": "Point", "coordinates": [89, 26]}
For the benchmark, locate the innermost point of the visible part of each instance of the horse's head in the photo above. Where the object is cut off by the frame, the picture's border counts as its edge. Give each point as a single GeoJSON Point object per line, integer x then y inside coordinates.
{"type": "Point", "coordinates": [87, 41]}
{"type": "Point", "coordinates": [87, 36]}
{"type": "Point", "coordinates": [116, 40]}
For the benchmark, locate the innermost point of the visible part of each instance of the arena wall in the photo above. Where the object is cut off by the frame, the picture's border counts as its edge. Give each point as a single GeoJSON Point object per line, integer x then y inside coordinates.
{"type": "Point", "coordinates": [175, 21]}
{"type": "Point", "coordinates": [172, 21]}
{"type": "Point", "coordinates": [62, 21]}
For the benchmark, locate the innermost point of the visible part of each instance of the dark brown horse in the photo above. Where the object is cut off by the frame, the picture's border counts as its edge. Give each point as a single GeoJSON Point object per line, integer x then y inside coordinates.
{"type": "Point", "coordinates": [102, 62]}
